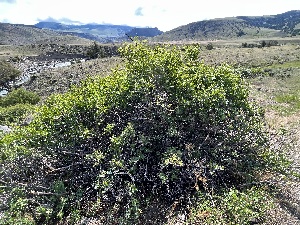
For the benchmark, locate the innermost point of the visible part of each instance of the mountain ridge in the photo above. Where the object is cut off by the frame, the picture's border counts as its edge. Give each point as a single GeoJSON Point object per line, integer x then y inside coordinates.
{"type": "Point", "coordinates": [240, 27]}
{"type": "Point", "coordinates": [100, 32]}
{"type": "Point", "coordinates": [285, 24]}
{"type": "Point", "coordinates": [20, 34]}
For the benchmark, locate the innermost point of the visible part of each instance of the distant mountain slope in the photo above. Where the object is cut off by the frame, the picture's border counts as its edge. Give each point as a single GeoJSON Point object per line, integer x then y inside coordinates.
{"type": "Point", "coordinates": [90, 30]}
{"type": "Point", "coordinates": [288, 22]}
{"type": "Point", "coordinates": [228, 28]}
{"type": "Point", "coordinates": [18, 34]}
{"type": "Point", "coordinates": [99, 32]}
{"type": "Point", "coordinates": [144, 32]}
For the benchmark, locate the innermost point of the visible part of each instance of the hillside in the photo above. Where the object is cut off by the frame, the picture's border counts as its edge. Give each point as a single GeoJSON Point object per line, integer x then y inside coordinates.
{"type": "Point", "coordinates": [286, 24]}
{"type": "Point", "coordinates": [144, 32]}
{"type": "Point", "coordinates": [100, 32]}
{"type": "Point", "coordinates": [18, 34]}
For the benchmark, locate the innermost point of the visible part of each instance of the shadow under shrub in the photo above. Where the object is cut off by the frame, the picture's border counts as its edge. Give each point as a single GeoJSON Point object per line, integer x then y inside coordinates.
{"type": "Point", "coordinates": [163, 127]}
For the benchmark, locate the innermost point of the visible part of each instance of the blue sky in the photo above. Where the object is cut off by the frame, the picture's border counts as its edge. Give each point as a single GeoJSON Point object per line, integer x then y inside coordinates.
{"type": "Point", "coordinates": [163, 14]}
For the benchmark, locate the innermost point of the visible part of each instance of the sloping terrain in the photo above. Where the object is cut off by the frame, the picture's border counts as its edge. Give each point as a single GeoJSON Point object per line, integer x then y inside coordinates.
{"type": "Point", "coordinates": [144, 32]}
{"type": "Point", "coordinates": [218, 29]}
{"type": "Point", "coordinates": [18, 34]}
{"type": "Point", "coordinates": [286, 24]}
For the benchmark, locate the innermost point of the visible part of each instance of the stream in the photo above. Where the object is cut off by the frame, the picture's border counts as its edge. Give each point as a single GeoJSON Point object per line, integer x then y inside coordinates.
{"type": "Point", "coordinates": [29, 68]}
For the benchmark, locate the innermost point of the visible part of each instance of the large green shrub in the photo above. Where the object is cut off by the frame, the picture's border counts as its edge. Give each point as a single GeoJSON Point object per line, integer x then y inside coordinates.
{"type": "Point", "coordinates": [160, 128]}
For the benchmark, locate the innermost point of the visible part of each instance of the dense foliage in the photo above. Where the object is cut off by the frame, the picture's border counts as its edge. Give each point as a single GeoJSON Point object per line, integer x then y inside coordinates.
{"type": "Point", "coordinates": [159, 129]}
{"type": "Point", "coordinates": [262, 44]}
{"type": "Point", "coordinates": [19, 96]}
{"type": "Point", "coordinates": [100, 51]}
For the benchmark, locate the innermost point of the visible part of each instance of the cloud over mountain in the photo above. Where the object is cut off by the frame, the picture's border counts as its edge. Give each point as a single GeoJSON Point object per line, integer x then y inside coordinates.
{"type": "Point", "coordinates": [61, 20]}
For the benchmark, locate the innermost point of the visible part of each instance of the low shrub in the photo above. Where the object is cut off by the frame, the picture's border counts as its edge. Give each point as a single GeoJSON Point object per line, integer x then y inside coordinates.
{"type": "Point", "coordinates": [19, 96]}
{"type": "Point", "coordinates": [251, 72]}
{"type": "Point", "coordinates": [209, 46]}
{"type": "Point", "coordinates": [15, 113]}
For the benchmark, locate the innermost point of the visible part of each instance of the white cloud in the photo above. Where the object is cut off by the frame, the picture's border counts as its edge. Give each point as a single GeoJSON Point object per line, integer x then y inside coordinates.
{"type": "Point", "coordinates": [8, 1]}
{"type": "Point", "coordinates": [139, 11]}
{"type": "Point", "coordinates": [163, 14]}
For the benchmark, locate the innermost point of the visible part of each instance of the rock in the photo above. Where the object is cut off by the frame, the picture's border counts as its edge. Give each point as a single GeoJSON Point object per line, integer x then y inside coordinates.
{"type": "Point", "coordinates": [5, 129]}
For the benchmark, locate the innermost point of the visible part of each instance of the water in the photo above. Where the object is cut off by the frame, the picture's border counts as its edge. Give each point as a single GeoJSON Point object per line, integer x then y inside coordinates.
{"type": "Point", "coordinates": [3, 92]}
{"type": "Point", "coordinates": [63, 64]}
{"type": "Point", "coordinates": [5, 128]}
{"type": "Point", "coordinates": [26, 76]}
{"type": "Point", "coordinates": [18, 82]}
{"type": "Point", "coordinates": [23, 79]}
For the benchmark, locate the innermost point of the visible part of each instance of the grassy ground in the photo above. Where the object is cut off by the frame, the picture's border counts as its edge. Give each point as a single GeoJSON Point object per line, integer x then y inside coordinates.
{"type": "Point", "coordinates": [279, 95]}
{"type": "Point", "coordinates": [59, 80]}
{"type": "Point", "coordinates": [63, 46]}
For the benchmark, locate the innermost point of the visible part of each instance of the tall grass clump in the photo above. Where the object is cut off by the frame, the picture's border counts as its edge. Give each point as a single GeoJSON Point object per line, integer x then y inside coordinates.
{"type": "Point", "coordinates": [162, 128]}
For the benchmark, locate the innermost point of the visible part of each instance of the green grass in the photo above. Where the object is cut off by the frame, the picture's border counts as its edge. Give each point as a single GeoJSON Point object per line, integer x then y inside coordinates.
{"type": "Point", "coordinates": [286, 65]}
{"type": "Point", "coordinates": [288, 98]}
{"type": "Point", "coordinates": [280, 90]}
{"type": "Point", "coordinates": [290, 103]}
{"type": "Point", "coordinates": [240, 206]}
{"type": "Point", "coordinates": [287, 95]}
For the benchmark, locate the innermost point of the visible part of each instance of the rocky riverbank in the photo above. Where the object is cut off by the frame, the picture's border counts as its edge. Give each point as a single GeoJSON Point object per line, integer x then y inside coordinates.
{"type": "Point", "coordinates": [57, 76]}
{"type": "Point", "coordinates": [53, 68]}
